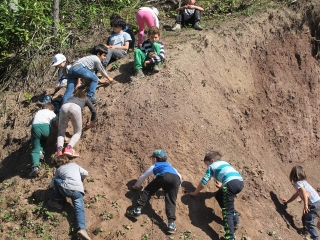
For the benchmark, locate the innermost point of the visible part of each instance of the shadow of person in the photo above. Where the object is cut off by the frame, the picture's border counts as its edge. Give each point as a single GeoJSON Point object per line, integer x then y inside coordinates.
{"type": "Point", "coordinates": [133, 195]}
{"type": "Point", "coordinates": [126, 72]}
{"type": "Point", "coordinates": [200, 215]}
{"type": "Point", "coordinates": [281, 209]}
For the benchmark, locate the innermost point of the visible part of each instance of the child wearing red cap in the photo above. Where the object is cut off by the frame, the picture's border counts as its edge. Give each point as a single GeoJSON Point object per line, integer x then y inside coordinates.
{"type": "Point", "coordinates": [167, 178]}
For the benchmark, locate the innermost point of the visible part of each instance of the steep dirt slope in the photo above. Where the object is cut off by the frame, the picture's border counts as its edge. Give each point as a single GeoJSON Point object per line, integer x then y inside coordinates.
{"type": "Point", "coordinates": [248, 89]}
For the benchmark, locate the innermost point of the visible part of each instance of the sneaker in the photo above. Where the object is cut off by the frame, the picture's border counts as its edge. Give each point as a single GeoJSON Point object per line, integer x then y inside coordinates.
{"type": "Point", "coordinates": [82, 234]}
{"type": "Point", "coordinates": [55, 204]}
{"type": "Point", "coordinates": [58, 154]}
{"type": "Point", "coordinates": [197, 26]}
{"type": "Point", "coordinates": [156, 69]}
{"type": "Point", "coordinates": [176, 27]}
{"type": "Point", "coordinates": [41, 155]}
{"type": "Point", "coordinates": [135, 213]}
{"type": "Point", "coordinates": [171, 228]}
{"type": "Point", "coordinates": [94, 100]}
{"type": "Point", "coordinates": [236, 221]}
{"type": "Point", "coordinates": [71, 152]}
{"type": "Point", "coordinates": [35, 171]}
{"type": "Point", "coordinates": [139, 74]}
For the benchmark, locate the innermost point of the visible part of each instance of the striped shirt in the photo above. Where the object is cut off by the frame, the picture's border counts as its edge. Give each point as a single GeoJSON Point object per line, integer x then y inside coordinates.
{"type": "Point", "coordinates": [221, 171]}
{"type": "Point", "coordinates": [92, 63]}
{"type": "Point", "coordinates": [147, 47]}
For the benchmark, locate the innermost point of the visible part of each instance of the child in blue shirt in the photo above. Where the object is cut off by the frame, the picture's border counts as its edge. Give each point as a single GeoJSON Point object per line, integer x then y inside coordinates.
{"type": "Point", "coordinates": [230, 183]}
{"type": "Point", "coordinates": [167, 178]}
{"type": "Point", "coordinates": [310, 197]}
{"type": "Point", "coordinates": [118, 42]}
{"type": "Point", "coordinates": [115, 16]}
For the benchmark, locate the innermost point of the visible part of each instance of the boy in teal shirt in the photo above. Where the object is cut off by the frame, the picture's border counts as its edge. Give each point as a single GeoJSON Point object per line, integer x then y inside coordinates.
{"type": "Point", "coordinates": [230, 183]}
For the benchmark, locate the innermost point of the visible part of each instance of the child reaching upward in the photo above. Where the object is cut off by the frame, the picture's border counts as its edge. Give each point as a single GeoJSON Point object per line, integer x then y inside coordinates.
{"type": "Point", "coordinates": [151, 54]}
{"type": "Point", "coordinates": [230, 183]}
{"type": "Point", "coordinates": [167, 178]}
{"type": "Point", "coordinates": [72, 109]}
{"type": "Point", "coordinates": [40, 131]}
{"type": "Point", "coordinates": [311, 200]}
{"type": "Point", "coordinates": [84, 68]}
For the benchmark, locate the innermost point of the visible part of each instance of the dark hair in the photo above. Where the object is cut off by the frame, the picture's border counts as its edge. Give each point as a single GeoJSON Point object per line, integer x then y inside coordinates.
{"type": "Point", "coordinates": [154, 30]}
{"type": "Point", "coordinates": [162, 159]}
{"type": "Point", "coordinates": [48, 106]}
{"type": "Point", "coordinates": [113, 17]}
{"type": "Point", "coordinates": [212, 155]}
{"type": "Point", "coordinates": [99, 49]}
{"type": "Point", "coordinates": [59, 161]}
{"type": "Point", "coordinates": [80, 94]}
{"type": "Point", "coordinates": [297, 173]}
{"type": "Point", "coordinates": [119, 22]}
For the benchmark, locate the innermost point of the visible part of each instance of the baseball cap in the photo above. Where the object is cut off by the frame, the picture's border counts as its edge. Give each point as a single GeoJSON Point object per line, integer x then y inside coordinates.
{"type": "Point", "coordinates": [155, 10]}
{"type": "Point", "coordinates": [58, 58]}
{"type": "Point", "coordinates": [159, 153]}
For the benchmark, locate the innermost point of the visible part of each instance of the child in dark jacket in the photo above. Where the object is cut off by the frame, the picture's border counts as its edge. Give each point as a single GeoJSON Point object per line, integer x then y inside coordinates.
{"type": "Point", "coordinates": [151, 54]}
{"type": "Point", "coordinates": [167, 178]}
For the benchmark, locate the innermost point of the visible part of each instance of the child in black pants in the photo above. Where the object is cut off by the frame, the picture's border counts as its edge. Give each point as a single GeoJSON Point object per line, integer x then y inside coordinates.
{"type": "Point", "coordinates": [189, 14]}
{"type": "Point", "coordinates": [167, 178]}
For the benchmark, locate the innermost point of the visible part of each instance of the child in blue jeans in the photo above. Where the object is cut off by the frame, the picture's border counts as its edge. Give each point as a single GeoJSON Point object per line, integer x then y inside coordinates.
{"type": "Point", "coordinates": [67, 182]}
{"type": "Point", "coordinates": [230, 183]}
{"type": "Point", "coordinates": [310, 197]}
{"type": "Point", "coordinates": [85, 68]}
{"type": "Point", "coordinates": [167, 178]}
{"type": "Point", "coordinates": [40, 131]}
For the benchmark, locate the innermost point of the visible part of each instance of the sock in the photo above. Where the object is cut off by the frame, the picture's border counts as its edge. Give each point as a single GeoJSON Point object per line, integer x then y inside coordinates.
{"type": "Point", "coordinates": [69, 147]}
{"type": "Point", "coordinates": [59, 149]}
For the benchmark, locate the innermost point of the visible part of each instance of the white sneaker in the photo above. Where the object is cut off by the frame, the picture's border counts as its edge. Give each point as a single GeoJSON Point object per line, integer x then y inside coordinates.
{"type": "Point", "coordinates": [176, 27]}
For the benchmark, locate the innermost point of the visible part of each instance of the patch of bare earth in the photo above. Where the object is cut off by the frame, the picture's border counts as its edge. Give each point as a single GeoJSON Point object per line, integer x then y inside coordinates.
{"type": "Point", "coordinates": [248, 89]}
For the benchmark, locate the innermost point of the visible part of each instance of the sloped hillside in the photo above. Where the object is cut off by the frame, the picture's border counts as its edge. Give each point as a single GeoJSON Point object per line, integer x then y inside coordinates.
{"type": "Point", "coordinates": [248, 88]}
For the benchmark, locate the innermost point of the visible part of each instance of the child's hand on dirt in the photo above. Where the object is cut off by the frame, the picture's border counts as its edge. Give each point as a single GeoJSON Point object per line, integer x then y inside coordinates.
{"type": "Point", "coordinates": [306, 209]}
{"type": "Point", "coordinates": [89, 124]}
{"type": "Point", "coordinates": [135, 187]}
{"type": "Point", "coordinates": [194, 194]}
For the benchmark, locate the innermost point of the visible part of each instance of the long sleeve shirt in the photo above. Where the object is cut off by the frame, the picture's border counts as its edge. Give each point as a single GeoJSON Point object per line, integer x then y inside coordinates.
{"type": "Point", "coordinates": [82, 103]}
{"type": "Point", "coordinates": [72, 175]}
{"type": "Point", "coordinates": [221, 171]}
{"type": "Point", "coordinates": [157, 169]}
{"type": "Point", "coordinates": [147, 47]}
{"type": "Point", "coordinates": [93, 63]}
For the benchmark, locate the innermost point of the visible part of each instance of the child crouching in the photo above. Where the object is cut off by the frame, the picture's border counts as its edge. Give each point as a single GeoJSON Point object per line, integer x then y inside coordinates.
{"type": "Point", "coordinates": [67, 182]}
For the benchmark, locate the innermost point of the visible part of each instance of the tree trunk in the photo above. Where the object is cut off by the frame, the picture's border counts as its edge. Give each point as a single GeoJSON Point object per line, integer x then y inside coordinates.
{"type": "Point", "coordinates": [55, 16]}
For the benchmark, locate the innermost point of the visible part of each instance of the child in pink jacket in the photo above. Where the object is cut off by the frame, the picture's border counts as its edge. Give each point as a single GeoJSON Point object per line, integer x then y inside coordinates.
{"type": "Point", "coordinates": [148, 16]}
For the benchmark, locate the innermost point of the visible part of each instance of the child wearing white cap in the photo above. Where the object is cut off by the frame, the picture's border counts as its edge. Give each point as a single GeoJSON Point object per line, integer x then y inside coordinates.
{"type": "Point", "coordinates": [148, 16]}
{"type": "Point", "coordinates": [167, 178]}
{"type": "Point", "coordinates": [60, 61]}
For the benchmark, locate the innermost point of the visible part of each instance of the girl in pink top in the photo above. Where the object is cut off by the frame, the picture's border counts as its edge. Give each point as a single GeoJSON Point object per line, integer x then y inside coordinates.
{"type": "Point", "coordinates": [148, 16]}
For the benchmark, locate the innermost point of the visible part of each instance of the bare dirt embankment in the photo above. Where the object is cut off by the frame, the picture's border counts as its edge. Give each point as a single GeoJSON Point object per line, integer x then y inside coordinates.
{"type": "Point", "coordinates": [248, 89]}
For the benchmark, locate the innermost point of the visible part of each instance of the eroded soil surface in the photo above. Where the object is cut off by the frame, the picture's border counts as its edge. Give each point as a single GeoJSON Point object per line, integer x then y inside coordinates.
{"type": "Point", "coordinates": [248, 88]}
